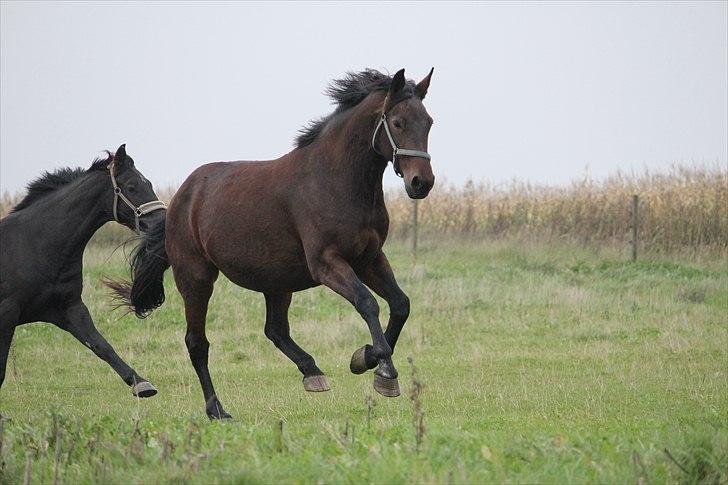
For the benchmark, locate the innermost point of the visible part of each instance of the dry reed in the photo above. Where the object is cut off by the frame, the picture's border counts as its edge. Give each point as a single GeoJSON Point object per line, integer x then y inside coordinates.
{"type": "Point", "coordinates": [684, 208]}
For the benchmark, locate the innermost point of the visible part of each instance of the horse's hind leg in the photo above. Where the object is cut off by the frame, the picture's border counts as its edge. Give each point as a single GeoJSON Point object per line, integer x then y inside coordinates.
{"type": "Point", "coordinates": [78, 322]}
{"type": "Point", "coordinates": [278, 331]}
{"type": "Point", "coordinates": [195, 282]}
{"type": "Point", "coordinates": [8, 322]}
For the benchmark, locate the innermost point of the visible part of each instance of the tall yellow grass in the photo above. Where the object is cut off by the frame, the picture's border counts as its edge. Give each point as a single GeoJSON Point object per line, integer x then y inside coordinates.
{"type": "Point", "coordinates": [683, 208]}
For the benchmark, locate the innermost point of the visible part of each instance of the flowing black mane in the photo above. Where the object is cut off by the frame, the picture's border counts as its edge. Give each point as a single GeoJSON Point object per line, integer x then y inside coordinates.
{"type": "Point", "coordinates": [346, 93]}
{"type": "Point", "coordinates": [50, 181]}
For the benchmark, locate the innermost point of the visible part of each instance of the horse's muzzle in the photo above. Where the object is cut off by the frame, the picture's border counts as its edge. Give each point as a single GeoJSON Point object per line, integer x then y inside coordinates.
{"type": "Point", "coordinates": [151, 219]}
{"type": "Point", "coordinates": [418, 187]}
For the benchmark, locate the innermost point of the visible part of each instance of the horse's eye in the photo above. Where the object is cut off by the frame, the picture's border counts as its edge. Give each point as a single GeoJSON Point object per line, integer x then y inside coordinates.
{"type": "Point", "coordinates": [131, 189]}
{"type": "Point", "coordinates": [397, 124]}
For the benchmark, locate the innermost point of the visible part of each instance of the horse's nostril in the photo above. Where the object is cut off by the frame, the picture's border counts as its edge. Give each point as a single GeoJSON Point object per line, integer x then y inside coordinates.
{"type": "Point", "coordinates": [416, 182]}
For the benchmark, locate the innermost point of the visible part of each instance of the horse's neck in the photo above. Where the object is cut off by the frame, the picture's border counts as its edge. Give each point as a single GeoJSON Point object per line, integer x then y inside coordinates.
{"type": "Point", "coordinates": [358, 168]}
{"type": "Point", "coordinates": [75, 213]}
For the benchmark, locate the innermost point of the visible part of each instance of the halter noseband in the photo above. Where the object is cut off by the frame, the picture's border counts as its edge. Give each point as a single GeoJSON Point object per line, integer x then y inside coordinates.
{"type": "Point", "coordinates": [395, 150]}
{"type": "Point", "coordinates": [139, 211]}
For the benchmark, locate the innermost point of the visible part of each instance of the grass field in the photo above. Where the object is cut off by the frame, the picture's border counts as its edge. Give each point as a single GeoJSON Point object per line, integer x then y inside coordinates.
{"type": "Point", "coordinates": [539, 364]}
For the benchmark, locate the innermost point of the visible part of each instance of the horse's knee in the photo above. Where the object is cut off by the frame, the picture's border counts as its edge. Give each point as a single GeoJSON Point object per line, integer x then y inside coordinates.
{"type": "Point", "coordinates": [399, 308]}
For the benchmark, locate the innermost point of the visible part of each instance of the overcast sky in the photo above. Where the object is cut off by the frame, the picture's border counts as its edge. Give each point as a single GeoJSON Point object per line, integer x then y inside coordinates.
{"type": "Point", "coordinates": [521, 90]}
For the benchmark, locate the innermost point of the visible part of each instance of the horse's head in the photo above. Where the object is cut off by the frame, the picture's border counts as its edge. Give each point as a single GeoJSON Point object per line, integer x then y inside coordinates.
{"type": "Point", "coordinates": [132, 201]}
{"type": "Point", "coordinates": [402, 133]}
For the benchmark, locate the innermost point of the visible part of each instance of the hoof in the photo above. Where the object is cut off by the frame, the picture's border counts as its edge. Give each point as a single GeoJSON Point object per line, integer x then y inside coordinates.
{"type": "Point", "coordinates": [220, 415]}
{"type": "Point", "coordinates": [386, 387]}
{"type": "Point", "coordinates": [358, 364]}
{"type": "Point", "coordinates": [215, 410]}
{"type": "Point", "coordinates": [315, 384]}
{"type": "Point", "coordinates": [143, 389]}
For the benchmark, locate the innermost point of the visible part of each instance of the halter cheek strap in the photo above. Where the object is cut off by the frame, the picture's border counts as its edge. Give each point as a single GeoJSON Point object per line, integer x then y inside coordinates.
{"type": "Point", "coordinates": [140, 210]}
{"type": "Point", "coordinates": [395, 150]}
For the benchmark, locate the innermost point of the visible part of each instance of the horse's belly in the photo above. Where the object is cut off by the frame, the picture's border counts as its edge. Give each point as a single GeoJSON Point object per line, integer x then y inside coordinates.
{"type": "Point", "coordinates": [272, 278]}
{"type": "Point", "coordinates": [262, 262]}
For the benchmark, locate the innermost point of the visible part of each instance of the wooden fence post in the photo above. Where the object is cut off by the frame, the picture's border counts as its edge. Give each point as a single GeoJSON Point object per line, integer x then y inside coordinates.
{"type": "Point", "coordinates": [634, 224]}
{"type": "Point", "coordinates": [414, 226]}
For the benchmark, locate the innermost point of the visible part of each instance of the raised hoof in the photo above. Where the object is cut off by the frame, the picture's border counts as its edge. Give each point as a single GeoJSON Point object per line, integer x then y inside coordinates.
{"type": "Point", "coordinates": [315, 384]}
{"type": "Point", "coordinates": [386, 387]}
{"type": "Point", "coordinates": [143, 389]}
{"type": "Point", "coordinates": [358, 364]}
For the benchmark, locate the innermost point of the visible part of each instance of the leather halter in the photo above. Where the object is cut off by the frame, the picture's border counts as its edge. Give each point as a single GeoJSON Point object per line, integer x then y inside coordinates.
{"type": "Point", "coordinates": [140, 210]}
{"type": "Point", "coordinates": [395, 149]}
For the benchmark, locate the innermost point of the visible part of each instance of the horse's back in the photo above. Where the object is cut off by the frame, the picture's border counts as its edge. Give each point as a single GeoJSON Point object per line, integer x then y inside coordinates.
{"type": "Point", "coordinates": [214, 191]}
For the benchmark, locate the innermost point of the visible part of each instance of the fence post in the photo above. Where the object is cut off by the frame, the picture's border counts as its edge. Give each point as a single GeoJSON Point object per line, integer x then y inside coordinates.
{"type": "Point", "coordinates": [634, 224]}
{"type": "Point", "coordinates": [414, 226]}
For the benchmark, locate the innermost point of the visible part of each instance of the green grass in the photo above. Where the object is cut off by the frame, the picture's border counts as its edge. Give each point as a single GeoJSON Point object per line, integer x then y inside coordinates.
{"type": "Point", "coordinates": [540, 364]}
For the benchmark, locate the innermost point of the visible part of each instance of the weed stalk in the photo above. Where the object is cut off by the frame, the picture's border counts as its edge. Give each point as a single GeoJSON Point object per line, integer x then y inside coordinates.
{"type": "Point", "coordinates": [418, 414]}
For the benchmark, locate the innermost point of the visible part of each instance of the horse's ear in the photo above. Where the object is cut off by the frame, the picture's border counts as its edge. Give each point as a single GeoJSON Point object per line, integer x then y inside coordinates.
{"type": "Point", "coordinates": [421, 88]}
{"type": "Point", "coordinates": [120, 155]}
{"type": "Point", "coordinates": [395, 87]}
{"type": "Point", "coordinates": [397, 83]}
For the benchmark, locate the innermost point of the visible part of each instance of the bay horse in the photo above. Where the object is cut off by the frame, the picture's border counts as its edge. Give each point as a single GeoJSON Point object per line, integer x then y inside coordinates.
{"type": "Point", "coordinates": [43, 240]}
{"type": "Point", "coordinates": [315, 216]}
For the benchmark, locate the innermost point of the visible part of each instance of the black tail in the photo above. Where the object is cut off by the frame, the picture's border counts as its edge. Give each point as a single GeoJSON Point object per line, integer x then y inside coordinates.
{"type": "Point", "coordinates": [145, 291]}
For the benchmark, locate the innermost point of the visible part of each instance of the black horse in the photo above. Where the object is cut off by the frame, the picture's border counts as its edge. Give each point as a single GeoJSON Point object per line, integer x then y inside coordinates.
{"type": "Point", "coordinates": [41, 250]}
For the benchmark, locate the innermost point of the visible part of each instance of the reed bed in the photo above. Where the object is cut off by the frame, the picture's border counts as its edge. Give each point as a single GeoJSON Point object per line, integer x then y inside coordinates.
{"type": "Point", "coordinates": [684, 208]}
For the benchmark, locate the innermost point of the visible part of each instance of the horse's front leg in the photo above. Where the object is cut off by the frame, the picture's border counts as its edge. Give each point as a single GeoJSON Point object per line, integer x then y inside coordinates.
{"type": "Point", "coordinates": [331, 270]}
{"type": "Point", "coordinates": [379, 277]}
